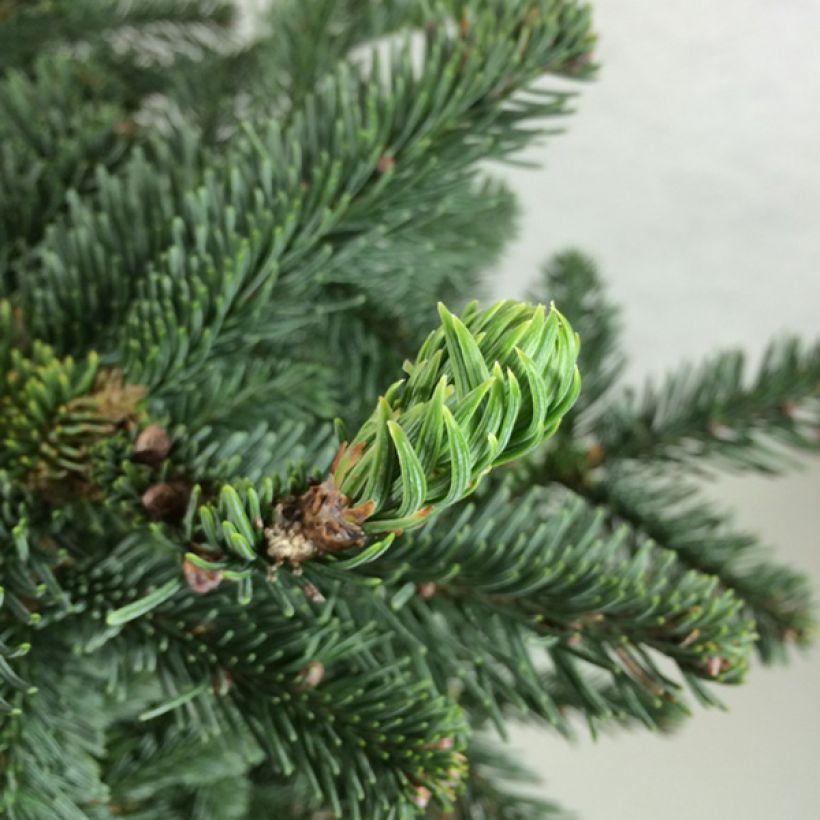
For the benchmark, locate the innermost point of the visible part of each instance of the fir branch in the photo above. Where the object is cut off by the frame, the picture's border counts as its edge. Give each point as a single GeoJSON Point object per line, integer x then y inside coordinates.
{"type": "Point", "coordinates": [89, 259]}
{"type": "Point", "coordinates": [366, 356]}
{"type": "Point", "coordinates": [715, 416]}
{"type": "Point", "coordinates": [288, 211]}
{"type": "Point", "coordinates": [55, 127]}
{"type": "Point", "coordinates": [672, 513]}
{"type": "Point", "coordinates": [231, 298]}
{"type": "Point", "coordinates": [361, 700]}
{"type": "Point", "coordinates": [494, 584]}
{"type": "Point", "coordinates": [50, 411]}
{"type": "Point", "coordinates": [424, 255]}
{"type": "Point", "coordinates": [307, 38]}
{"type": "Point", "coordinates": [31, 27]}
{"type": "Point", "coordinates": [49, 750]}
{"type": "Point", "coordinates": [149, 761]}
{"type": "Point", "coordinates": [240, 393]}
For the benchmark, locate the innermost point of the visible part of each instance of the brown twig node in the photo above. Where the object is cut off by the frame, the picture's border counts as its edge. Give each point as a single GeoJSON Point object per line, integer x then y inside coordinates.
{"type": "Point", "coordinates": [317, 522]}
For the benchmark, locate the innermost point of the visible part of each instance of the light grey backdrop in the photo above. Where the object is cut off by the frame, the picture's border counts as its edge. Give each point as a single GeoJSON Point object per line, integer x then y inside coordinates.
{"type": "Point", "coordinates": [692, 172]}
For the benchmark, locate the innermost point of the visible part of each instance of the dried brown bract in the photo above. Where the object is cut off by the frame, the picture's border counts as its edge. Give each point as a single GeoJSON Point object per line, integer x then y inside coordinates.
{"type": "Point", "coordinates": [200, 580]}
{"type": "Point", "coordinates": [316, 522]}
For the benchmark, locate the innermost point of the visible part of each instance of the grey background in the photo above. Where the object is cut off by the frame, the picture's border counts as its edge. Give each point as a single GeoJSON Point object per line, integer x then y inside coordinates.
{"type": "Point", "coordinates": [691, 171]}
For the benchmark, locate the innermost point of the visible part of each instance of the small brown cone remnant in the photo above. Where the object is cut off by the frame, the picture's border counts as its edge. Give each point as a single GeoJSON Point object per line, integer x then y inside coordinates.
{"type": "Point", "coordinates": [423, 796]}
{"type": "Point", "coordinates": [316, 522]}
{"type": "Point", "coordinates": [125, 128]}
{"type": "Point", "coordinates": [200, 580]}
{"type": "Point", "coordinates": [580, 63]}
{"type": "Point", "coordinates": [595, 455]}
{"type": "Point", "coordinates": [166, 501]}
{"type": "Point", "coordinates": [311, 676]}
{"type": "Point", "coordinates": [427, 590]}
{"type": "Point", "coordinates": [385, 163]}
{"type": "Point", "coordinates": [151, 446]}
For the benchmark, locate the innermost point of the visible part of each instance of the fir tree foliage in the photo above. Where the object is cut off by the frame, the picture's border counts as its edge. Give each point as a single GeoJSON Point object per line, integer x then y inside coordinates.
{"type": "Point", "coordinates": [214, 602]}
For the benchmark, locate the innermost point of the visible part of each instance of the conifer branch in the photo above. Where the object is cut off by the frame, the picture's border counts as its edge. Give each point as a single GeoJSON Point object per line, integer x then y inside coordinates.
{"type": "Point", "coordinates": [552, 570]}
{"type": "Point", "coordinates": [307, 38]}
{"type": "Point", "coordinates": [31, 28]}
{"type": "Point", "coordinates": [263, 670]}
{"type": "Point", "coordinates": [51, 744]}
{"type": "Point", "coordinates": [715, 416]}
{"type": "Point", "coordinates": [55, 127]}
{"type": "Point", "coordinates": [276, 229]}
{"type": "Point", "coordinates": [673, 515]}
{"type": "Point", "coordinates": [204, 614]}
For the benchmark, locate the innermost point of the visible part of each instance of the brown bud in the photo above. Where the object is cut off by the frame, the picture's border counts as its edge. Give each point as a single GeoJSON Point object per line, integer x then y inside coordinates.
{"type": "Point", "coordinates": [580, 62]}
{"type": "Point", "coordinates": [117, 401]}
{"type": "Point", "coordinates": [166, 501]}
{"type": "Point", "coordinates": [125, 128]}
{"type": "Point", "coordinates": [386, 163]}
{"type": "Point", "coordinates": [595, 455]}
{"type": "Point", "coordinates": [151, 446]}
{"type": "Point", "coordinates": [223, 682]}
{"type": "Point", "coordinates": [691, 637]}
{"type": "Point", "coordinates": [423, 796]}
{"type": "Point", "coordinates": [311, 676]}
{"type": "Point", "coordinates": [441, 745]}
{"type": "Point", "coordinates": [427, 590]}
{"type": "Point", "coordinates": [200, 580]}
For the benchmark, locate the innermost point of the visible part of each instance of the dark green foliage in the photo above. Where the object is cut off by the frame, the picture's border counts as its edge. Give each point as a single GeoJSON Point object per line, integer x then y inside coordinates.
{"type": "Point", "coordinates": [222, 245]}
{"type": "Point", "coordinates": [55, 126]}
{"type": "Point", "coordinates": [110, 28]}
{"type": "Point", "coordinates": [51, 749]}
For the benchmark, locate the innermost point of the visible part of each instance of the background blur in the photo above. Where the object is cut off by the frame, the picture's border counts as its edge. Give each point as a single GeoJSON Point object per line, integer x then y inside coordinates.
{"type": "Point", "coordinates": [691, 172]}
